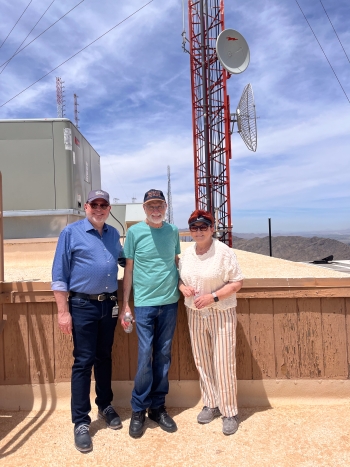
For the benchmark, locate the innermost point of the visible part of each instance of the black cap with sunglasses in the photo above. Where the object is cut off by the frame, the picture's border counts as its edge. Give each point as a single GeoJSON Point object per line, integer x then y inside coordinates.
{"type": "Point", "coordinates": [200, 219]}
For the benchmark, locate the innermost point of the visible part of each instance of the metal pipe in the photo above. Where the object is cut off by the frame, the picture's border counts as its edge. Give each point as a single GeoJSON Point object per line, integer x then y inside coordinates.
{"type": "Point", "coordinates": [205, 109]}
{"type": "Point", "coordinates": [270, 239]}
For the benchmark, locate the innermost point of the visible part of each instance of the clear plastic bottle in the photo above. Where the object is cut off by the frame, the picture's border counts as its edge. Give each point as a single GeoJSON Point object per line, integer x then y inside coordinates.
{"type": "Point", "coordinates": [128, 319]}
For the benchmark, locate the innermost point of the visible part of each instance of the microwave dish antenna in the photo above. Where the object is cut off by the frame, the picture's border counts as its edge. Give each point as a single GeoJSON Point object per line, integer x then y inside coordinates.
{"type": "Point", "coordinates": [245, 117]}
{"type": "Point", "coordinates": [232, 51]}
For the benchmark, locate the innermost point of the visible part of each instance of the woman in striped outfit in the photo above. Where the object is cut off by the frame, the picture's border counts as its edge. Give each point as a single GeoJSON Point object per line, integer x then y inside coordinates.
{"type": "Point", "coordinates": [209, 279]}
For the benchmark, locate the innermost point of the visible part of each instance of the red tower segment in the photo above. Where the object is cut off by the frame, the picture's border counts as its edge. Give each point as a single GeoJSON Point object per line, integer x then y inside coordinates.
{"type": "Point", "coordinates": [210, 115]}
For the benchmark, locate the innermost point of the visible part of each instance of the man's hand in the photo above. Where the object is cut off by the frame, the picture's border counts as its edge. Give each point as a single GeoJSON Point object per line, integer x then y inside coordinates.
{"type": "Point", "coordinates": [65, 322]}
{"type": "Point", "coordinates": [125, 309]}
{"type": "Point", "coordinates": [64, 317]}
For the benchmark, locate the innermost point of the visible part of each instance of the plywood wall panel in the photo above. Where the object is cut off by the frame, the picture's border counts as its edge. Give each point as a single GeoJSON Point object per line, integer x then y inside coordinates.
{"type": "Point", "coordinates": [63, 348]}
{"type": "Point", "coordinates": [2, 360]}
{"type": "Point", "coordinates": [16, 344]}
{"type": "Point", "coordinates": [347, 323]}
{"type": "Point", "coordinates": [243, 350]}
{"type": "Point", "coordinates": [310, 338]}
{"type": "Point", "coordinates": [174, 371]}
{"type": "Point", "coordinates": [120, 354]}
{"type": "Point", "coordinates": [188, 370]}
{"type": "Point", "coordinates": [41, 345]}
{"type": "Point", "coordinates": [262, 338]}
{"type": "Point", "coordinates": [334, 338]}
{"type": "Point", "coordinates": [286, 338]}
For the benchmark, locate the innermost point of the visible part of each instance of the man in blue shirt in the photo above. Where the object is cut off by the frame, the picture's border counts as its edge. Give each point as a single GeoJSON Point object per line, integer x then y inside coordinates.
{"type": "Point", "coordinates": [151, 250]}
{"type": "Point", "coordinates": [84, 282]}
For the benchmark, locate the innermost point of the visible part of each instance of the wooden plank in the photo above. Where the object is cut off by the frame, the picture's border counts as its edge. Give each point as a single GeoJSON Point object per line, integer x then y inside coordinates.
{"type": "Point", "coordinates": [262, 338]}
{"type": "Point", "coordinates": [63, 351]}
{"type": "Point", "coordinates": [243, 352]}
{"type": "Point", "coordinates": [120, 354]}
{"type": "Point", "coordinates": [286, 338]}
{"type": "Point", "coordinates": [334, 338]}
{"type": "Point", "coordinates": [188, 370]}
{"type": "Point", "coordinates": [26, 286]}
{"type": "Point", "coordinates": [2, 356]}
{"type": "Point", "coordinates": [296, 293]}
{"type": "Point", "coordinates": [174, 371]}
{"type": "Point", "coordinates": [16, 345]}
{"type": "Point", "coordinates": [297, 282]}
{"type": "Point", "coordinates": [347, 321]}
{"type": "Point", "coordinates": [310, 338]}
{"type": "Point", "coordinates": [41, 346]}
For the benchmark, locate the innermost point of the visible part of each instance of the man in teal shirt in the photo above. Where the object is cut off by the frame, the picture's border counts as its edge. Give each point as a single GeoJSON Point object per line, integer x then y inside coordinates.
{"type": "Point", "coordinates": [151, 250]}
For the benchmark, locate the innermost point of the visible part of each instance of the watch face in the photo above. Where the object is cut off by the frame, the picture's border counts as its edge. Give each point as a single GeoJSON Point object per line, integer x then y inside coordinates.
{"type": "Point", "coordinates": [216, 299]}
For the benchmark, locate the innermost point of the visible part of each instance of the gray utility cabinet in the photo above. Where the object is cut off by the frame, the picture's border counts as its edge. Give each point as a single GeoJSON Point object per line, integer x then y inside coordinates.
{"type": "Point", "coordinates": [48, 168]}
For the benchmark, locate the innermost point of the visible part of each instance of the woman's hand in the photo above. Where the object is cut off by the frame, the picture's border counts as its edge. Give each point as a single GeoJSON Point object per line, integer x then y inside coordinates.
{"type": "Point", "coordinates": [186, 290]}
{"type": "Point", "coordinates": [204, 300]}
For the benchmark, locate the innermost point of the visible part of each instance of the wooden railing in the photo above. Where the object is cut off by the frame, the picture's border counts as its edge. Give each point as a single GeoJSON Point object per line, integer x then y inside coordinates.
{"type": "Point", "coordinates": [286, 329]}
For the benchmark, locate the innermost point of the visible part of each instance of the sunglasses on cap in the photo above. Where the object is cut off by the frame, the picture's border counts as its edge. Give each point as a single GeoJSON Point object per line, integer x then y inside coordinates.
{"type": "Point", "coordinates": [202, 228]}
{"type": "Point", "coordinates": [98, 205]}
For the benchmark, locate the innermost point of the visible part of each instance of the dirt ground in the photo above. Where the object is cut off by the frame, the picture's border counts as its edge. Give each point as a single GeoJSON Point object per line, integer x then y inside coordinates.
{"type": "Point", "coordinates": [278, 437]}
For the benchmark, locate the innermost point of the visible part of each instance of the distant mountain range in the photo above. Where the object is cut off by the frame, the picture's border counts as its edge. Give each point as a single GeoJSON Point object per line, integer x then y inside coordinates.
{"type": "Point", "coordinates": [340, 235]}
{"type": "Point", "coordinates": [295, 248]}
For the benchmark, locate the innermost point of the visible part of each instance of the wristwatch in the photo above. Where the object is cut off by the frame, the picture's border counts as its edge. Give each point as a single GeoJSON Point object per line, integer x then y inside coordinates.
{"type": "Point", "coordinates": [216, 298]}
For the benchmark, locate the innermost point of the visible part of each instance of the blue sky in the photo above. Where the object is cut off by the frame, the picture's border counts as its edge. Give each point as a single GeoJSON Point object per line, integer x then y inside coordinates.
{"type": "Point", "coordinates": [135, 101]}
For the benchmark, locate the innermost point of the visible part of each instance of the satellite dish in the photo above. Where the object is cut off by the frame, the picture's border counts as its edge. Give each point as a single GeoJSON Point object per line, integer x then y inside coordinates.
{"type": "Point", "coordinates": [232, 51]}
{"type": "Point", "coordinates": [245, 117]}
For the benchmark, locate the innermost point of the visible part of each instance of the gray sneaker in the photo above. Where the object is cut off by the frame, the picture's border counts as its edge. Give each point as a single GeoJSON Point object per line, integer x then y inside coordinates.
{"type": "Point", "coordinates": [207, 415]}
{"type": "Point", "coordinates": [229, 425]}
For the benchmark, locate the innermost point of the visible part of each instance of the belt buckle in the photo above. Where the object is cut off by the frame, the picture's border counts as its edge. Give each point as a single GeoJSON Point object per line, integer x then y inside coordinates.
{"type": "Point", "coordinates": [101, 297]}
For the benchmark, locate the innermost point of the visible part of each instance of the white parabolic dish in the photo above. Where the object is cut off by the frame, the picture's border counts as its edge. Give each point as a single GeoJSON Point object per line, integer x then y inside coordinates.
{"type": "Point", "coordinates": [232, 51]}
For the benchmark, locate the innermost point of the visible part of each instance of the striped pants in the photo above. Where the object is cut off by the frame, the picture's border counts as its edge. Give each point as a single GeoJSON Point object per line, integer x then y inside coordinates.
{"type": "Point", "coordinates": [213, 340]}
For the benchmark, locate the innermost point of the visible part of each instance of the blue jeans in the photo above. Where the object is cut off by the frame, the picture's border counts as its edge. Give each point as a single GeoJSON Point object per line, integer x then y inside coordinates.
{"type": "Point", "coordinates": [155, 326]}
{"type": "Point", "coordinates": [93, 333]}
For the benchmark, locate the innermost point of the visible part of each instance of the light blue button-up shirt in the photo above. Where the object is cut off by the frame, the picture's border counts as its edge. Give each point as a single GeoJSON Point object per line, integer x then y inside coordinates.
{"type": "Point", "coordinates": [86, 262]}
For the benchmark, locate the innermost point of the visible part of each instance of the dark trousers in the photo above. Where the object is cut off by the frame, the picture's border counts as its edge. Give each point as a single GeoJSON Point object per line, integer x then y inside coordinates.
{"type": "Point", "coordinates": [93, 333]}
{"type": "Point", "coordinates": [155, 327]}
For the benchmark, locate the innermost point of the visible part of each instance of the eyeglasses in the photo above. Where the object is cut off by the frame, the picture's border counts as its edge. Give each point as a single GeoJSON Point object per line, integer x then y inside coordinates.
{"type": "Point", "coordinates": [97, 205]}
{"type": "Point", "coordinates": [159, 207]}
{"type": "Point", "coordinates": [202, 228]}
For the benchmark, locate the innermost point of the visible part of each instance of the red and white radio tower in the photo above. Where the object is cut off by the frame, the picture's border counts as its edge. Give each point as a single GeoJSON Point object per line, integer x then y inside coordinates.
{"type": "Point", "coordinates": [210, 115]}
{"type": "Point", "coordinates": [60, 98]}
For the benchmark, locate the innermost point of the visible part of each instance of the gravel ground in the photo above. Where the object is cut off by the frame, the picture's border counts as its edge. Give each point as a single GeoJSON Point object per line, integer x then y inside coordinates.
{"type": "Point", "coordinates": [278, 437]}
{"type": "Point", "coordinates": [34, 264]}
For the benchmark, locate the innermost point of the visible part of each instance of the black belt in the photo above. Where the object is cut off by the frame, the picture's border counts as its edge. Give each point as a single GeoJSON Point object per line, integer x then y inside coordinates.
{"type": "Point", "coordinates": [100, 297]}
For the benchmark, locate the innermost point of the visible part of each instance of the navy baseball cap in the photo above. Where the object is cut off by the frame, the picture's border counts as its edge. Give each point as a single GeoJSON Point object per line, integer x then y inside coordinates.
{"type": "Point", "coordinates": [98, 194]}
{"type": "Point", "coordinates": [200, 219]}
{"type": "Point", "coordinates": [152, 195]}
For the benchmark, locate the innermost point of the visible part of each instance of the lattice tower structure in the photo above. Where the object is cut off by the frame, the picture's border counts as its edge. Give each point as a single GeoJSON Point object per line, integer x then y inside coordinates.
{"type": "Point", "coordinates": [170, 200]}
{"type": "Point", "coordinates": [210, 115]}
{"type": "Point", "coordinates": [76, 112]}
{"type": "Point", "coordinates": [60, 98]}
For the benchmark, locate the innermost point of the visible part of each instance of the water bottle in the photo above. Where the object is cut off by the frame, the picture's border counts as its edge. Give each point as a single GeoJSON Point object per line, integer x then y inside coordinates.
{"type": "Point", "coordinates": [128, 319]}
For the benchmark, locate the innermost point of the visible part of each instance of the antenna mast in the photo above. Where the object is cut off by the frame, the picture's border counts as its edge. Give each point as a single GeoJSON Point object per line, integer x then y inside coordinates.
{"type": "Point", "coordinates": [60, 98]}
{"type": "Point", "coordinates": [210, 115]}
{"type": "Point", "coordinates": [170, 200]}
{"type": "Point", "coordinates": [76, 118]}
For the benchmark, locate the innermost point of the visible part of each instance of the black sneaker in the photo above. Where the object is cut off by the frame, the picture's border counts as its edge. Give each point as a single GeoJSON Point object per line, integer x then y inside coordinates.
{"type": "Point", "coordinates": [82, 438]}
{"type": "Point", "coordinates": [136, 424]}
{"type": "Point", "coordinates": [161, 416]}
{"type": "Point", "coordinates": [110, 416]}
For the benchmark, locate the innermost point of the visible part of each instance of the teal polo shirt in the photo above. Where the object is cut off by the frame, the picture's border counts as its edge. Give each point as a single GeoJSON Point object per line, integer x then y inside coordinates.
{"type": "Point", "coordinates": [155, 276]}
